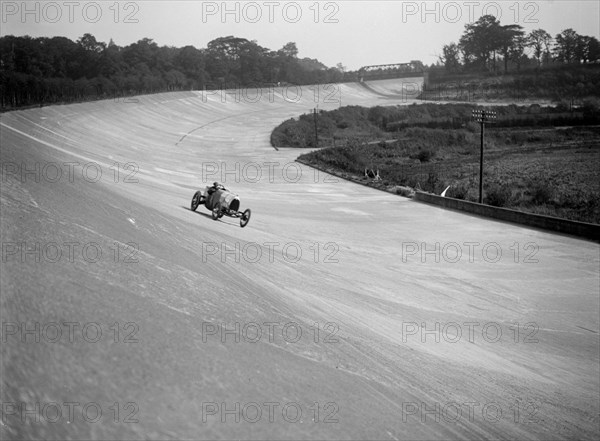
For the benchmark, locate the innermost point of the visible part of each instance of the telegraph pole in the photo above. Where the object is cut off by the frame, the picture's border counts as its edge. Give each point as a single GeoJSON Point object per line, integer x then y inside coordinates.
{"type": "Point", "coordinates": [482, 117]}
{"type": "Point", "coordinates": [315, 111]}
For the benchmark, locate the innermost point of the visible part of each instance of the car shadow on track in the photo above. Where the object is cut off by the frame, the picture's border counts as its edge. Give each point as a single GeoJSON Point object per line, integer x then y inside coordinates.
{"type": "Point", "coordinates": [197, 212]}
{"type": "Point", "coordinates": [208, 215]}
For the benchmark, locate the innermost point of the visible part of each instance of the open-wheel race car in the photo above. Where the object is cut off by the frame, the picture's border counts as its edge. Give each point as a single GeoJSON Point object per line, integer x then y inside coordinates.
{"type": "Point", "coordinates": [221, 202]}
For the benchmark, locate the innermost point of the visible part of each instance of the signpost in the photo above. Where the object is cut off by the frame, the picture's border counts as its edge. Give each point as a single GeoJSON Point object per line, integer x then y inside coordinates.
{"type": "Point", "coordinates": [482, 117]}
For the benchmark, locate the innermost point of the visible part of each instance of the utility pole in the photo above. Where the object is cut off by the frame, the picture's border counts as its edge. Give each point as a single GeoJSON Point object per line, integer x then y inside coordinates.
{"type": "Point", "coordinates": [482, 117]}
{"type": "Point", "coordinates": [315, 112]}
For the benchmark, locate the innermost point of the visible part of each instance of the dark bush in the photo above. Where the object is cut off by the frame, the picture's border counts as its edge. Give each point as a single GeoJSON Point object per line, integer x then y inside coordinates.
{"type": "Point", "coordinates": [541, 193]}
{"type": "Point", "coordinates": [458, 191]}
{"type": "Point", "coordinates": [425, 155]}
{"type": "Point", "coordinates": [499, 195]}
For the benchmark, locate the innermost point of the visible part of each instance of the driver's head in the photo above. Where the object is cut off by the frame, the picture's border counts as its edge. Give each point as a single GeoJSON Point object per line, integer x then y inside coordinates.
{"type": "Point", "coordinates": [215, 184]}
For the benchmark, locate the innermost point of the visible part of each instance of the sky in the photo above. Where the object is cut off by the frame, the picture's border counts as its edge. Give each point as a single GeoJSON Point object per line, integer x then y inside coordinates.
{"type": "Point", "coordinates": [354, 33]}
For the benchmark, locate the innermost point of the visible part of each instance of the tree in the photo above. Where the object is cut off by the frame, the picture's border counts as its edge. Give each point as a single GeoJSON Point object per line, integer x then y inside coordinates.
{"type": "Point", "coordinates": [566, 44]}
{"type": "Point", "coordinates": [90, 53]}
{"type": "Point", "coordinates": [175, 79]}
{"type": "Point", "coordinates": [594, 49]}
{"type": "Point", "coordinates": [290, 50]}
{"type": "Point", "coordinates": [288, 64]}
{"type": "Point", "coordinates": [252, 63]}
{"type": "Point", "coordinates": [61, 51]}
{"type": "Point", "coordinates": [517, 51]}
{"type": "Point", "coordinates": [88, 42]}
{"type": "Point", "coordinates": [191, 62]}
{"type": "Point", "coordinates": [229, 47]}
{"type": "Point", "coordinates": [511, 43]}
{"type": "Point", "coordinates": [451, 57]}
{"type": "Point", "coordinates": [539, 40]}
{"type": "Point", "coordinates": [140, 54]}
{"type": "Point", "coordinates": [582, 49]}
{"type": "Point", "coordinates": [111, 61]}
{"type": "Point", "coordinates": [224, 58]}
{"type": "Point", "coordinates": [481, 40]}
{"type": "Point", "coordinates": [417, 64]}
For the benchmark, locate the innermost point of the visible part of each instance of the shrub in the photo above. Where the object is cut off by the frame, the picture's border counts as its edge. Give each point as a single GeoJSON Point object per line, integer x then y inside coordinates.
{"type": "Point", "coordinates": [405, 191]}
{"type": "Point", "coordinates": [499, 195]}
{"type": "Point", "coordinates": [541, 193]}
{"type": "Point", "coordinates": [458, 191]}
{"type": "Point", "coordinates": [591, 106]}
{"type": "Point", "coordinates": [433, 183]}
{"type": "Point", "coordinates": [425, 155]}
{"type": "Point", "coordinates": [539, 189]}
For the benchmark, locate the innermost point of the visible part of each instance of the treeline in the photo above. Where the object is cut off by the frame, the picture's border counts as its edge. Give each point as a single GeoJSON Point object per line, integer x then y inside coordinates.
{"type": "Point", "coordinates": [52, 70]}
{"type": "Point", "coordinates": [490, 46]}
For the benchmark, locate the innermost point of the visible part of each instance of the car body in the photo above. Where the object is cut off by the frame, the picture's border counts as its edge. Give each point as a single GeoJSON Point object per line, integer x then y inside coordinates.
{"type": "Point", "coordinates": [221, 202]}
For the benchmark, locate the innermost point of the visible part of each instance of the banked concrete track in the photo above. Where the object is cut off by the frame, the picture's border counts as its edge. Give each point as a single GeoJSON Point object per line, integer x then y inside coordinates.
{"type": "Point", "coordinates": [409, 344]}
{"type": "Point", "coordinates": [404, 89]}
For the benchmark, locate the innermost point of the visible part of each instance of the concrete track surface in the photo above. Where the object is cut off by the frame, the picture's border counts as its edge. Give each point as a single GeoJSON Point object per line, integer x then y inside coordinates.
{"type": "Point", "coordinates": [406, 88]}
{"type": "Point", "coordinates": [413, 325]}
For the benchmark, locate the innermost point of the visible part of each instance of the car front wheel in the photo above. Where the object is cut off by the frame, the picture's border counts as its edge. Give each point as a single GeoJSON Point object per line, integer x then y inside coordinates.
{"type": "Point", "coordinates": [196, 200]}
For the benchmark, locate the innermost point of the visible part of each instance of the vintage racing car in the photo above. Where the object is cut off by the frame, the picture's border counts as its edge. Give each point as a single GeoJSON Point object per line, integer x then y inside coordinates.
{"type": "Point", "coordinates": [221, 201]}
